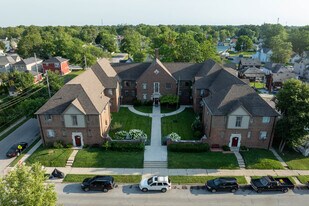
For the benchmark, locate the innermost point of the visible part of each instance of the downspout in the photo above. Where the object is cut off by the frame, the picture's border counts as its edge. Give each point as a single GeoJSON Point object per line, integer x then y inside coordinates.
{"type": "Point", "coordinates": [272, 133]}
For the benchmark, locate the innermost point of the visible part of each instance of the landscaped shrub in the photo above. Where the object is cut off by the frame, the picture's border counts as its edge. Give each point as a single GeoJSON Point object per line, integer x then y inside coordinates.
{"type": "Point", "coordinates": [69, 146]}
{"type": "Point", "coordinates": [121, 135]}
{"type": "Point", "coordinates": [197, 124]}
{"type": "Point", "coordinates": [137, 102]}
{"type": "Point", "coordinates": [116, 126]}
{"type": "Point", "coordinates": [188, 147]}
{"type": "Point", "coordinates": [106, 145]}
{"type": "Point", "coordinates": [225, 148]}
{"type": "Point", "coordinates": [58, 144]}
{"type": "Point", "coordinates": [148, 103]}
{"type": "Point", "coordinates": [174, 136]}
{"type": "Point", "coordinates": [243, 148]}
{"type": "Point", "coordinates": [86, 146]}
{"type": "Point", "coordinates": [197, 134]}
{"type": "Point", "coordinates": [127, 146]}
{"type": "Point", "coordinates": [137, 134]}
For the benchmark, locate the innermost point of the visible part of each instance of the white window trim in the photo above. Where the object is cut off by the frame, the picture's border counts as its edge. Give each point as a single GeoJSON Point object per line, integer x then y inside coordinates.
{"type": "Point", "coordinates": [240, 121]}
{"type": "Point", "coordinates": [263, 135]}
{"type": "Point", "coordinates": [266, 120]}
{"type": "Point", "coordinates": [50, 133]}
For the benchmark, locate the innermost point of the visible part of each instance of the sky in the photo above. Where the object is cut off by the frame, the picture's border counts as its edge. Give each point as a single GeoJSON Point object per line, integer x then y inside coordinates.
{"type": "Point", "coordinates": [153, 12]}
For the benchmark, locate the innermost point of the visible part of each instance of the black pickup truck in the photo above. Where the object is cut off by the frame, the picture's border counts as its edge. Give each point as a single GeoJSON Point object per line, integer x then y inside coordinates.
{"type": "Point", "coordinates": [269, 183]}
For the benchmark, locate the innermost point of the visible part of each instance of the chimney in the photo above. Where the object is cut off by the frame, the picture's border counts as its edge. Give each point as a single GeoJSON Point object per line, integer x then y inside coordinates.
{"type": "Point", "coordinates": [156, 53]}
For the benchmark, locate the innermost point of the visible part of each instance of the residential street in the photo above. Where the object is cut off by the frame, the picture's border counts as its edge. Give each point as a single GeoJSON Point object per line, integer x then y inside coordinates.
{"type": "Point", "coordinates": [25, 133]}
{"type": "Point", "coordinates": [71, 194]}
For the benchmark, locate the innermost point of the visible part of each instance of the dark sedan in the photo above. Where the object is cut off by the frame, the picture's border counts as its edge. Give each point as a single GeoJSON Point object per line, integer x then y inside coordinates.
{"type": "Point", "coordinates": [222, 183]}
{"type": "Point", "coordinates": [14, 150]}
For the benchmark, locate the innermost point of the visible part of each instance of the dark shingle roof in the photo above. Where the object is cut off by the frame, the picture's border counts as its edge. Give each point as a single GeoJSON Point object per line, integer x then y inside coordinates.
{"type": "Point", "coordinates": [105, 73]}
{"type": "Point", "coordinates": [130, 71]}
{"type": "Point", "coordinates": [27, 61]}
{"type": "Point", "coordinates": [250, 62]}
{"type": "Point", "coordinates": [55, 59]}
{"type": "Point", "coordinates": [4, 60]}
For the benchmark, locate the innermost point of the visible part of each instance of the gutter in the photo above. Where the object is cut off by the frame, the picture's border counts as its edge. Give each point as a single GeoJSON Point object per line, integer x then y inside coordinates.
{"type": "Point", "coordinates": [272, 133]}
{"type": "Point", "coordinates": [41, 130]}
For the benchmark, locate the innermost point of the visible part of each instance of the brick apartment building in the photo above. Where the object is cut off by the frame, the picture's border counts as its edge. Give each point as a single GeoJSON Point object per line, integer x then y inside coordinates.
{"type": "Point", "coordinates": [233, 113]}
{"type": "Point", "coordinates": [56, 64]}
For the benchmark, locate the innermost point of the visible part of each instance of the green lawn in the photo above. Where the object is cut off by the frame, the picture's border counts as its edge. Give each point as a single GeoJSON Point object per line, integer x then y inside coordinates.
{"type": "Point", "coordinates": [203, 160]}
{"type": "Point", "coordinates": [145, 109]}
{"type": "Point", "coordinates": [118, 178]}
{"type": "Point", "coordinates": [72, 75]}
{"type": "Point", "coordinates": [257, 85]}
{"type": "Point", "coordinates": [303, 179]}
{"type": "Point", "coordinates": [50, 157]}
{"type": "Point", "coordinates": [295, 160]}
{"type": "Point", "coordinates": [200, 179]}
{"type": "Point", "coordinates": [169, 109]}
{"type": "Point", "coordinates": [260, 159]}
{"type": "Point", "coordinates": [245, 53]}
{"type": "Point", "coordinates": [98, 157]}
{"type": "Point", "coordinates": [12, 164]}
{"type": "Point", "coordinates": [180, 123]}
{"type": "Point", "coordinates": [130, 120]}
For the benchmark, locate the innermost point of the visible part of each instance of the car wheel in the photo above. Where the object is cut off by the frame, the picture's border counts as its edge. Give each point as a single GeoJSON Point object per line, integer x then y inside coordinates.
{"type": "Point", "coordinates": [285, 190]}
{"type": "Point", "coordinates": [144, 189]}
{"type": "Point", "coordinates": [233, 190]}
{"type": "Point", "coordinates": [105, 190]}
{"type": "Point", "coordinates": [259, 191]}
{"type": "Point", "coordinates": [213, 190]}
{"type": "Point", "coordinates": [163, 190]}
{"type": "Point", "coordinates": [86, 189]}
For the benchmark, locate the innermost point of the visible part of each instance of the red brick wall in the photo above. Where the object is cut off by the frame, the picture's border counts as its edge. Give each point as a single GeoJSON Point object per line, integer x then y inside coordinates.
{"type": "Point", "coordinates": [64, 68]}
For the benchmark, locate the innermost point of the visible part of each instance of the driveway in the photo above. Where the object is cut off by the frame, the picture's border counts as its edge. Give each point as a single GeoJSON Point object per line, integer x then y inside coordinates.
{"type": "Point", "coordinates": [25, 133]}
{"type": "Point", "coordinates": [71, 194]}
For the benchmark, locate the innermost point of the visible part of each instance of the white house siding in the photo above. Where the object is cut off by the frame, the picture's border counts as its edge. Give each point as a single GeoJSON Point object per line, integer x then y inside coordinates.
{"type": "Point", "coordinates": [232, 119]}
{"type": "Point", "coordinates": [68, 117]}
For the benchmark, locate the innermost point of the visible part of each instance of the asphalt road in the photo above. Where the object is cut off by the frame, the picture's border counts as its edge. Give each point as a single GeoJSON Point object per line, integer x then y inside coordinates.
{"type": "Point", "coordinates": [71, 194]}
{"type": "Point", "coordinates": [25, 133]}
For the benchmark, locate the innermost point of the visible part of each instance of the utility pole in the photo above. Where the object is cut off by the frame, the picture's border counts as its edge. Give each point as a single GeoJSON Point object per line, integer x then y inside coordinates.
{"type": "Point", "coordinates": [36, 66]}
{"type": "Point", "coordinates": [46, 74]}
{"type": "Point", "coordinates": [85, 61]}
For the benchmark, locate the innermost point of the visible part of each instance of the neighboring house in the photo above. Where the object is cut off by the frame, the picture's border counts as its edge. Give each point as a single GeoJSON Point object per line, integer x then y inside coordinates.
{"type": "Point", "coordinates": [56, 64]}
{"type": "Point", "coordinates": [7, 44]}
{"type": "Point", "coordinates": [79, 113]}
{"type": "Point", "coordinates": [245, 63]}
{"type": "Point", "coordinates": [294, 57]}
{"type": "Point", "coordinates": [277, 75]}
{"type": "Point", "coordinates": [233, 113]}
{"type": "Point", "coordinates": [29, 64]}
{"type": "Point", "coordinates": [6, 63]}
{"type": "Point", "coordinates": [13, 91]}
{"type": "Point", "coordinates": [263, 55]}
{"type": "Point", "coordinates": [15, 56]}
{"type": "Point", "coordinates": [251, 73]}
{"type": "Point", "coordinates": [301, 66]}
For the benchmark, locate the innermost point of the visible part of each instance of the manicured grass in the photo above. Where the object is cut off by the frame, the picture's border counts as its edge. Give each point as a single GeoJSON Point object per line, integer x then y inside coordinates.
{"type": "Point", "coordinates": [303, 179]}
{"type": "Point", "coordinates": [118, 178]}
{"type": "Point", "coordinates": [260, 159]}
{"type": "Point", "coordinates": [204, 160]}
{"type": "Point", "coordinates": [289, 177]}
{"type": "Point", "coordinates": [15, 161]}
{"type": "Point", "coordinates": [12, 129]}
{"type": "Point", "coordinates": [99, 157]}
{"type": "Point", "coordinates": [200, 179]}
{"type": "Point", "coordinates": [145, 109]}
{"type": "Point", "coordinates": [179, 123]}
{"type": "Point", "coordinates": [169, 109]}
{"type": "Point", "coordinates": [130, 120]}
{"type": "Point", "coordinates": [294, 160]}
{"type": "Point", "coordinates": [257, 85]}
{"type": "Point", "coordinates": [50, 157]}
{"type": "Point", "coordinates": [72, 75]}
{"type": "Point", "coordinates": [245, 53]}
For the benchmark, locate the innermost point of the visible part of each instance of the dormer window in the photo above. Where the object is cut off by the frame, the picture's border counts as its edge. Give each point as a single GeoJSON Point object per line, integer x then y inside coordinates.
{"type": "Point", "coordinates": [238, 121]}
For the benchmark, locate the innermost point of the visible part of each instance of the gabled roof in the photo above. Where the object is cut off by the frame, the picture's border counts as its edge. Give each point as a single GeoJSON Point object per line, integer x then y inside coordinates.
{"type": "Point", "coordinates": [105, 73]}
{"type": "Point", "coordinates": [27, 61]}
{"type": "Point", "coordinates": [249, 62]}
{"type": "Point", "coordinates": [230, 98]}
{"type": "Point", "coordinates": [252, 72]}
{"type": "Point", "coordinates": [84, 91]}
{"type": "Point", "coordinates": [266, 50]}
{"type": "Point", "coordinates": [4, 60]}
{"type": "Point", "coordinates": [55, 60]}
{"type": "Point", "coordinates": [131, 71]}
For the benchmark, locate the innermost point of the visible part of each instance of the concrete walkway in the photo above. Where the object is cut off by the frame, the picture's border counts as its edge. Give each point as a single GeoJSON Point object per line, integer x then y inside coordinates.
{"type": "Point", "coordinates": [279, 158]}
{"type": "Point", "coordinates": [30, 152]}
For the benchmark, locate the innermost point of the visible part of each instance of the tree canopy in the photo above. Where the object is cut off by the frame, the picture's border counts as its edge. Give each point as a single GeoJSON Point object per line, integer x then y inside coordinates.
{"type": "Point", "coordinates": [244, 43]}
{"type": "Point", "coordinates": [25, 186]}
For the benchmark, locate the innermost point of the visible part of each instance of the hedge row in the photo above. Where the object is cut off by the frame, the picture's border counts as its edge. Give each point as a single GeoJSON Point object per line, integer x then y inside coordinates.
{"type": "Point", "coordinates": [127, 146]}
{"type": "Point", "coordinates": [188, 147]}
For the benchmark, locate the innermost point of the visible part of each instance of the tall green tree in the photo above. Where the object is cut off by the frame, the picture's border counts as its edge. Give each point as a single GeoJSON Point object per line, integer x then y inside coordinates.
{"type": "Point", "coordinates": [25, 186]}
{"type": "Point", "coordinates": [30, 44]}
{"type": "Point", "coordinates": [187, 48]}
{"type": "Point", "coordinates": [293, 103]}
{"type": "Point", "coordinates": [244, 43]}
{"type": "Point", "coordinates": [55, 81]}
{"type": "Point", "coordinates": [107, 40]}
{"type": "Point", "coordinates": [132, 42]}
{"type": "Point", "coordinates": [268, 31]}
{"type": "Point", "coordinates": [2, 45]}
{"type": "Point", "coordinates": [299, 39]}
{"type": "Point", "coordinates": [281, 49]}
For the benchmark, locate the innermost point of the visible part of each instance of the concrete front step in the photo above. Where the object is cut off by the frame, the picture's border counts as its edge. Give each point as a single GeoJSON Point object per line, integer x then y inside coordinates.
{"type": "Point", "coordinates": [155, 164]}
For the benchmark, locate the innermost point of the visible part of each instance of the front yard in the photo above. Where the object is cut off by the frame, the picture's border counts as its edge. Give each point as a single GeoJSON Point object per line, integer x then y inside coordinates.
{"type": "Point", "coordinates": [50, 157]}
{"type": "Point", "coordinates": [118, 178]}
{"type": "Point", "coordinates": [99, 157]}
{"type": "Point", "coordinates": [294, 160]}
{"type": "Point", "coordinates": [203, 160]}
{"type": "Point", "coordinates": [200, 179]}
{"type": "Point", "coordinates": [129, 120]}
{"type": "Point", "coordinates": [260, 159]}
{"type": "Point", "coordinates": [179, 123]}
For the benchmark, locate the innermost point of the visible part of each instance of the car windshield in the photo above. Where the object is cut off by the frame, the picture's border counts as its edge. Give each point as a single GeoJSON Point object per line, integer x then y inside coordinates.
{"type": "Point", "coordinates": [263, 181]}
{"type": "Point", "coordinates": [149, 181]}
{"type": "Point", "coordinates": [217, 182]}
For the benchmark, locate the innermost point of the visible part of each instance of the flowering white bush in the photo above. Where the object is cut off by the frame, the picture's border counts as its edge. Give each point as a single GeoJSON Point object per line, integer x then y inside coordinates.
{"type": "Point", "coordinates": [121, 135]}
{"type": "Point", "coordinates": [137, 134]}
{"type": "Point", "coordinates": [174, 137]}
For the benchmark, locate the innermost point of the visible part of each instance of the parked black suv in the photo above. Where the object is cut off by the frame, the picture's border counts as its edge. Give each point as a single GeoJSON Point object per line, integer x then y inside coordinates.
{"type": "Point", "coordinates": [101, 183]}
{"type": "Point", "coordinates": [222, 183]}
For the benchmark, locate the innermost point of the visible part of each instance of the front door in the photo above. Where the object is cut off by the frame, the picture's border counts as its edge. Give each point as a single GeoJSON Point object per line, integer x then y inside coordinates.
{"type": "Point", "coordinates": [78, 141]}
{"type": "Point", "coordinates": [235, 142]}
